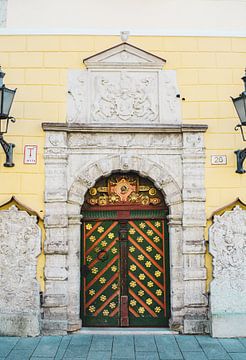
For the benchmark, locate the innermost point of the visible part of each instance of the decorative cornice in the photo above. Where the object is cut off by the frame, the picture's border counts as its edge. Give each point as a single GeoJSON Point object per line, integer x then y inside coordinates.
{"type": "Point", "coordinates": [84, 128]}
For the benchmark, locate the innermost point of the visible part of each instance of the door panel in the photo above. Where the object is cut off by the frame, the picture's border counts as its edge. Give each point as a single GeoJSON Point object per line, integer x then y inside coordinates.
{"type": "Point", "coordinates": [100, 272]}
{"type": "Point", "coordinates": [146, 273]}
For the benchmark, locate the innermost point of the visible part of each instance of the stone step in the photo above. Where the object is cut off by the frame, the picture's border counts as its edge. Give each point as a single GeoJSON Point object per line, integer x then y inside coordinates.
{"type": "Point", "coordinates": [126, 331]}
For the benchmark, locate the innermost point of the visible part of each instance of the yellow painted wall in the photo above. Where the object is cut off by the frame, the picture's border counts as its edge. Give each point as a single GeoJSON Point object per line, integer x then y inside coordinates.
{"type": "Point", "coordinates": [209, 71]}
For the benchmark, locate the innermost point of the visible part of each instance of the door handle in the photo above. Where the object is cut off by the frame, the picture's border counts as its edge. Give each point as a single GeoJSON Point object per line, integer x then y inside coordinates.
{"type": "Point", "coordinates": [85, 270]}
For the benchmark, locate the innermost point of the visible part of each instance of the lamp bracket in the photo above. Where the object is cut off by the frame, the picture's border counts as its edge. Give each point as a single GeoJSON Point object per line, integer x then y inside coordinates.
{"type": "Point", "coordinates": [8, 149]}
{"type": "Point", "coordinates": [241, 129]}
{"type": "Point", "coordinates": [241, 155]}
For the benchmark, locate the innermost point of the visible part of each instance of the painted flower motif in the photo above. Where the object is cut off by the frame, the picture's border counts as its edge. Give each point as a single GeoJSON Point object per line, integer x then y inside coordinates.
{"type": "Point", "coordinates": [102, 280]}
{"type": "Point", "coordinates": [111, 235]}
{"type": "Point", "coordinates": [149, 248]}
{"type": "Point", "coordinates": [94, 270]}
{"type": "Point", "coordinates": [133, 267]}
{"type": "Point", "coordinates": [112, 305]}
{"type": "Point", "coordinates": [114, 268]}
{"type": "Point", "coordinates": [141, 276]}
{"type": "Point", "coordinates": [103, 297]}
{"type": "Point", "coordinates": [114, 250]}
{"type": "Point", "coordinates": [157, 309]}
{"type": "Point", "coordinates": [92, 292]}
{"type": "Point", "coordinates": [89, 259]}
{"type": "Point", "coordinates": [142, 225]}
{"type": "Point", "coordinates": [148, 264]}
{"type": "Point", "coordinates": [140, 292]}
{"type": "Point", "coordinates": [157, 224]}
{"type": "Point", "coordinates": [133, 303]}
{"type": "Point", "coordinates": [156, 239]}
{"type": "Point", "coordinates": [141, 310]}
{"type": "Point", "coordinates": [140, 257]}
{"type": "Point", "coordinates": [100, 229]}
{"type": "Point", "coordinates": [149, 301]}
{"type": "Point", "coordinates": [132, 231]}
{"type": "Point", "coordinates": [150, 284]}
{"type": "Point", "coordinates": [92, 308]}
{"type": "Point", "coordinates": [131, 249]}
{"type": "Point", "coordinates": [158, 257]}
{"type": "Point", "coordinates": [157, 273]}
{"type": "Point", "coordinates": [105, 312]}
{"type": "Point", "coordinates": [88, 226]}
{"type": "Point", "coordinates": [114, 286]}
{"type": "Point", "coordinates": [139, 239]}
{"type": "Point", "coordinates": [158, 292]}
{"type": "Point", "coordinates": [133, 284]}
{"type": "Point", "coordinates": [150, 232]}
{"type": "Point", "coordinates": [104, 243]}
{"type": "Point", "coordinates": [92, 238]}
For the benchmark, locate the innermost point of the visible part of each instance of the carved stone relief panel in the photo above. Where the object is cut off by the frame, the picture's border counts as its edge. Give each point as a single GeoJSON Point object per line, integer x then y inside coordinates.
{"type": "Point", "coordinates": [20, 241]}
{"type": "Point", "coordinates": [227, 244]}
{"type": "Point", "coordinates": [132, 97]}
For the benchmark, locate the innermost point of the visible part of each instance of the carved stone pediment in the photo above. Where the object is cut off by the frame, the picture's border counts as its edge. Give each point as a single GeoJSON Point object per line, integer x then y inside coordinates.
{"type": "Point", "coordinates": [124, 56]}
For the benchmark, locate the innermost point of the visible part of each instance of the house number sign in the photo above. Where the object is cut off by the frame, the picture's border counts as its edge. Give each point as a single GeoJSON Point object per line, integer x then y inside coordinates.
{"type": "Point", "coordinates": [218, 159]}
{"type": "Point", "coordinates": [30, 154]}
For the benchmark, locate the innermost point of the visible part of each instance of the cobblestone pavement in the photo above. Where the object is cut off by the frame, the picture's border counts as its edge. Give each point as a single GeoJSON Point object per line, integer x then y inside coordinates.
{"type": "Point", "coordinates": [127, 347]}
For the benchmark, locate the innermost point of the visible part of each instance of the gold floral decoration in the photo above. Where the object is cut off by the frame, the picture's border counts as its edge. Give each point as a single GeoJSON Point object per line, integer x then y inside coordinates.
{"type": "Point", "coordinates": [141, 276]}
{"type": "Point", "coordinates": [140, 257]}
{"type": "Point", "coordinates": [149, 248]}
{"type": "Point", "coordinates": [132, 249]}
{"type": "Point", "coordinates": [133, 303]}
{"type": "Point", "coordinates": [157, 309]}
{"type": "Point", "coordinates": [114, 250]}
{"type": "Point", "coordinates": [112, 305]}
{"type": "Point", "coordinates": [88, 226]}
{"type": "Point", "coordinates": [92, 292]}
{"type": "Point", "coordinates": [140, 292]}
{"type": "Point", "coordinates": [141, 310]}
{"type": "Point", "coordinates": [100, 229]}
{"type": "Point", "coordinates": [148, 264]}
{"type": "Point", "coordinates": [150, 232]}
{"type": "Point", "coordinates": [114, 286]}
{"type": "Point", "coordinates": [158, 257]}
{"type": "Point", "coordinates": [157, 273]}
{"type": "Point", "coordinates": [132, 231]}
{"type": "Point", "coordinates": [158, 292]}
{"type": "Point", "coordinates": [111, 235]}
{"type": "Point", "coordinates": [92, 308]}
{"type": "Point", "coordinates": [149, 301]}
{"type": "Point", "coordinates": [156, 239]}
{"type": "Point", "coordinates": [92, 238]}
{"type": "Point", "coordinates": [102, 280]}
{"type": "Point", "coordinates": [104, 243]}
{"type": "Point", "coordinates": [89, 259]}
{"type": "Point", "coordinates": [150, 284]}
{"type": "Point", "coordinates": [103, 298]}
{"type": "Point", "coordinates": [94, 270]}
{"type": "Point", "coordinates": [142, 225]}
{"type": "Point", "coordinates": [133, 267]}
{"type": "Point", "coordinates": [114, 268]}
{"type": "Point", "coordinates": [139, 239]}
{"type": "Point", "coordinates": [157, 224]}
{"type": "Point", "coordinates": [105, 312]}
{"type": "Point", "coordinates": [133, 284]}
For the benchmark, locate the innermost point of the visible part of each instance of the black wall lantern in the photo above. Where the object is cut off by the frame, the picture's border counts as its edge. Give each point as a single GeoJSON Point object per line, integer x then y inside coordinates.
{"type": "Point", "coordinates": [6, 100]}
{"type": "Point", "coordinates": [240, 106]}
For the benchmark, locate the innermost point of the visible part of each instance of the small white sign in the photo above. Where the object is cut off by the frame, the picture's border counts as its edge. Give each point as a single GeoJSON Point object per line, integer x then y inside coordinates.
{"type": "Point", "coordinates": [30, 154]}
{"type": "Point", "coordinates": [218, 159]}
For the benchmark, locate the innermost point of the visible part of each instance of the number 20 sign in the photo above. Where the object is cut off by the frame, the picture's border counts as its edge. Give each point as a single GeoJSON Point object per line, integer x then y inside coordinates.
{"type": "Point", "coordinates": [218, 159]}
{"type": "Point", "coordinates": [30, 154]}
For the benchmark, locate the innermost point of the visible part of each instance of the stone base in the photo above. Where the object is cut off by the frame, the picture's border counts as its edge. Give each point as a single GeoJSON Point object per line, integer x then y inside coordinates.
{"type": "Point", "coordinates": [19, 325]}
{"type": "Point", "coordinates": [228, 326]}
{"type": "Point", "coordinates": [54, 327]}
{"type": "Point", "coordinates": [196, 326]}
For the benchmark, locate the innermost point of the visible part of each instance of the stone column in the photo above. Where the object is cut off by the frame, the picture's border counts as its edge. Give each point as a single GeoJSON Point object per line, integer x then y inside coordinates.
{"type": "Point", "coordinates": [194, 221]}
{"type": "Point", "coordinates": [56, 246]}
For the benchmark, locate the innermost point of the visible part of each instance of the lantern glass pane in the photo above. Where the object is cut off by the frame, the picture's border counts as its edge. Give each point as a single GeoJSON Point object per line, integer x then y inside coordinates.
{"type": "Point", "coordinates": [8, 97]}
{"type": "Point", "coordinates": [240, 105]}
{"type": "Point", "coordinates": [4, 125]}
{"type": "Point", "coordinates": [1, 90]}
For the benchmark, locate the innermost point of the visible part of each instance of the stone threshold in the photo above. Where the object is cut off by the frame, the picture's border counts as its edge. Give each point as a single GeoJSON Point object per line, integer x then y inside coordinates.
{"type": "Point", "coordinates": [126, 331]}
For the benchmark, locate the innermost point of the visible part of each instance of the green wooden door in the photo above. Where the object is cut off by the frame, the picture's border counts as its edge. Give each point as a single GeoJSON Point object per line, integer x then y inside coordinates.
{"type": "Point", "coordinates": [125, 270]}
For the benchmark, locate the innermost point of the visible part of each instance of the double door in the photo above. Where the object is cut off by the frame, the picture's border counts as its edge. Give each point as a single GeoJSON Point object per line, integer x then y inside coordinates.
{"type": "Point", "coordinates": [125, 270]}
